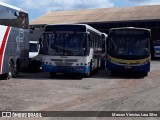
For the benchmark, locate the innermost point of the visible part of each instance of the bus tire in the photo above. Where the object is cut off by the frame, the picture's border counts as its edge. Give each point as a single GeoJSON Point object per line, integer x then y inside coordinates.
{"type": "Point", "coordinates": [15, 71]}
{"type": "Point", "coordinates": [17, 67]}
{"type": "Point", "coordinates": [114, 73]}
{"type": "Point", "coordinates": [9, 75]}
{"type": "Point", "coordinates": [52, 74]}
{"type": "Point", "coordinates": [87, 75]}
{"type": "Point", "coordinates": [145, 73]}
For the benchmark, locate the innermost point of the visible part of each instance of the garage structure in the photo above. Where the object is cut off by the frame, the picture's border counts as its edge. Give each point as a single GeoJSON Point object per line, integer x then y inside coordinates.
{"type": "Point", "coordinates": [105, 18]}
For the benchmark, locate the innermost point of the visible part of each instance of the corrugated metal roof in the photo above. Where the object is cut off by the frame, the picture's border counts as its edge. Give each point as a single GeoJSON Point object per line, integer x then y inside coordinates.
{"type": "Point", "coordinates": [150, 12]}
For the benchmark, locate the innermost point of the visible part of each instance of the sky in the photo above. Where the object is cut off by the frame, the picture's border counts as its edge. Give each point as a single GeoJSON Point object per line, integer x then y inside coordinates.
{"type": "Point", "coordinates": [37, 8]}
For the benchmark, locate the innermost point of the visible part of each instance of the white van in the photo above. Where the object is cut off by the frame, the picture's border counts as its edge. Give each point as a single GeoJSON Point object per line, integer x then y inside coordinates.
{"type": "Point", "coordinates": [34, 56]}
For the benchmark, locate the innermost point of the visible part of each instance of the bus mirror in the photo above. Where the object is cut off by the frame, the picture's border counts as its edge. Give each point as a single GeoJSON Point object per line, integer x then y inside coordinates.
{"type": "Point", "coordinates": [16, 13]}
{"type": "Point", "coordinates": [103, 36]}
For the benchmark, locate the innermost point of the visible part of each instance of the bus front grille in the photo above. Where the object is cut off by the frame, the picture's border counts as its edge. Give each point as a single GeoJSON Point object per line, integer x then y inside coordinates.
{"type": "Point", "coordinates": [63, 64]}
{"type": "Point", "coordinates": [57, 60]}
{"type": "Point", "coordinates": [71, 60]}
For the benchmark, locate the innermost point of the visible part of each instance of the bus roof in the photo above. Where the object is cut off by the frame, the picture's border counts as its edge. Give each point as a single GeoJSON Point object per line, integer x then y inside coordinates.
{"type": "Point", "coordinates": [87, 26]}
{"type": "Point", "coordinates": [11, 6]}
{"type": "Point", "coordinates": [130, 28]}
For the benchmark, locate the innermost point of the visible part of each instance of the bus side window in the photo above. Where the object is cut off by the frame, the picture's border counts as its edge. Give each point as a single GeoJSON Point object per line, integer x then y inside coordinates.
{"type": "Point", "coordinates": [94, 39]}
{"type": "Point", "coordinates": [90, 40]}
{"type": "Point", "coordinates": [103, 45]}
{"type": "Point", "coordinates": [99, 42]}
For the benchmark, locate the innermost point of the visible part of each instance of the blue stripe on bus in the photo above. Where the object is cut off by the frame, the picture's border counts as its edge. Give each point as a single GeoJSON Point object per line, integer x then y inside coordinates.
{"type": "Point", "coordinates": [140, 68]}
{"type": "Point", "coordinates": [66, 69]}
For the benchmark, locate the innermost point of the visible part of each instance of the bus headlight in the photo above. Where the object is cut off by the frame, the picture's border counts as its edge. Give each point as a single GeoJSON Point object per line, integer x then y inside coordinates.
{"type": "Point", "coordinates": [85, 64]}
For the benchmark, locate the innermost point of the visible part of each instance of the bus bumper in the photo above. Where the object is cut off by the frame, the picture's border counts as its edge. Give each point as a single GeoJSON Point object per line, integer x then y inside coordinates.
{"type": "Point", "coordinates": [66, 69]}
{"type": "Point", "coordinates": [127, 68]}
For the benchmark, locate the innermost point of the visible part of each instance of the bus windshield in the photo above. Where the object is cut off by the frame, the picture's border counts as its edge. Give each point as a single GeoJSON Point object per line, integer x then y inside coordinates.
{"type": "Point", "coordinates": [64, 44]}
{"type": "Point", "coordinates": [129, 45]}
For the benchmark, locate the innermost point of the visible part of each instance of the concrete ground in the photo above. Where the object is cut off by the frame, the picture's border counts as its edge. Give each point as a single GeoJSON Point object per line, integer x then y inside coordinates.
{"type": "Point", "coordinates": [100, 92]}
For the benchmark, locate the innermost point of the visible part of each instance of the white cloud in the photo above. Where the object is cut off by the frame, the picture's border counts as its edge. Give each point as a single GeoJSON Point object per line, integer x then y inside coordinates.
{"type": "Point", "coordinates": [145, 2]}
{"type": "Point", "coordinates": [56, 5]}
{"type": "Point", "coordinates": [6, 1]}
{"type": "Point", "coordinates": [151, 2]}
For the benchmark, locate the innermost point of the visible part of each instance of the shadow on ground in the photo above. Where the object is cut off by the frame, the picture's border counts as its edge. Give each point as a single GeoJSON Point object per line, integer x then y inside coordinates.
{"type": "Point", "coordinates": [44, 75]}
{"type": "Point", "coordinates": [106, 74]}
{"type": "Point", "coordinates": [102, 74]}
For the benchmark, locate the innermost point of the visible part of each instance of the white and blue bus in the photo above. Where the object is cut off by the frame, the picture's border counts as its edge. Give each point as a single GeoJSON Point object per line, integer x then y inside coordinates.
{"type": "Point", "coordinates": [71, 48]}
{"type": "Point", "coordinates": [129, 50]}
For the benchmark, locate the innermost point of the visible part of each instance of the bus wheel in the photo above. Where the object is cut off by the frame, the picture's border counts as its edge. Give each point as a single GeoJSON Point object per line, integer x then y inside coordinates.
{"type": "Point", "coordinates": [9, 75]}
{"type": "Point", "coordinates": [15, 71]}
{"type": "Point", "coordinates": [52, 74]}
{"type": "Point", "coordinates": [145, 73]}
{"type": "Point", "coordinates": [114, 73]}
{"type": "Point", "coordinates": [87, 75]}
